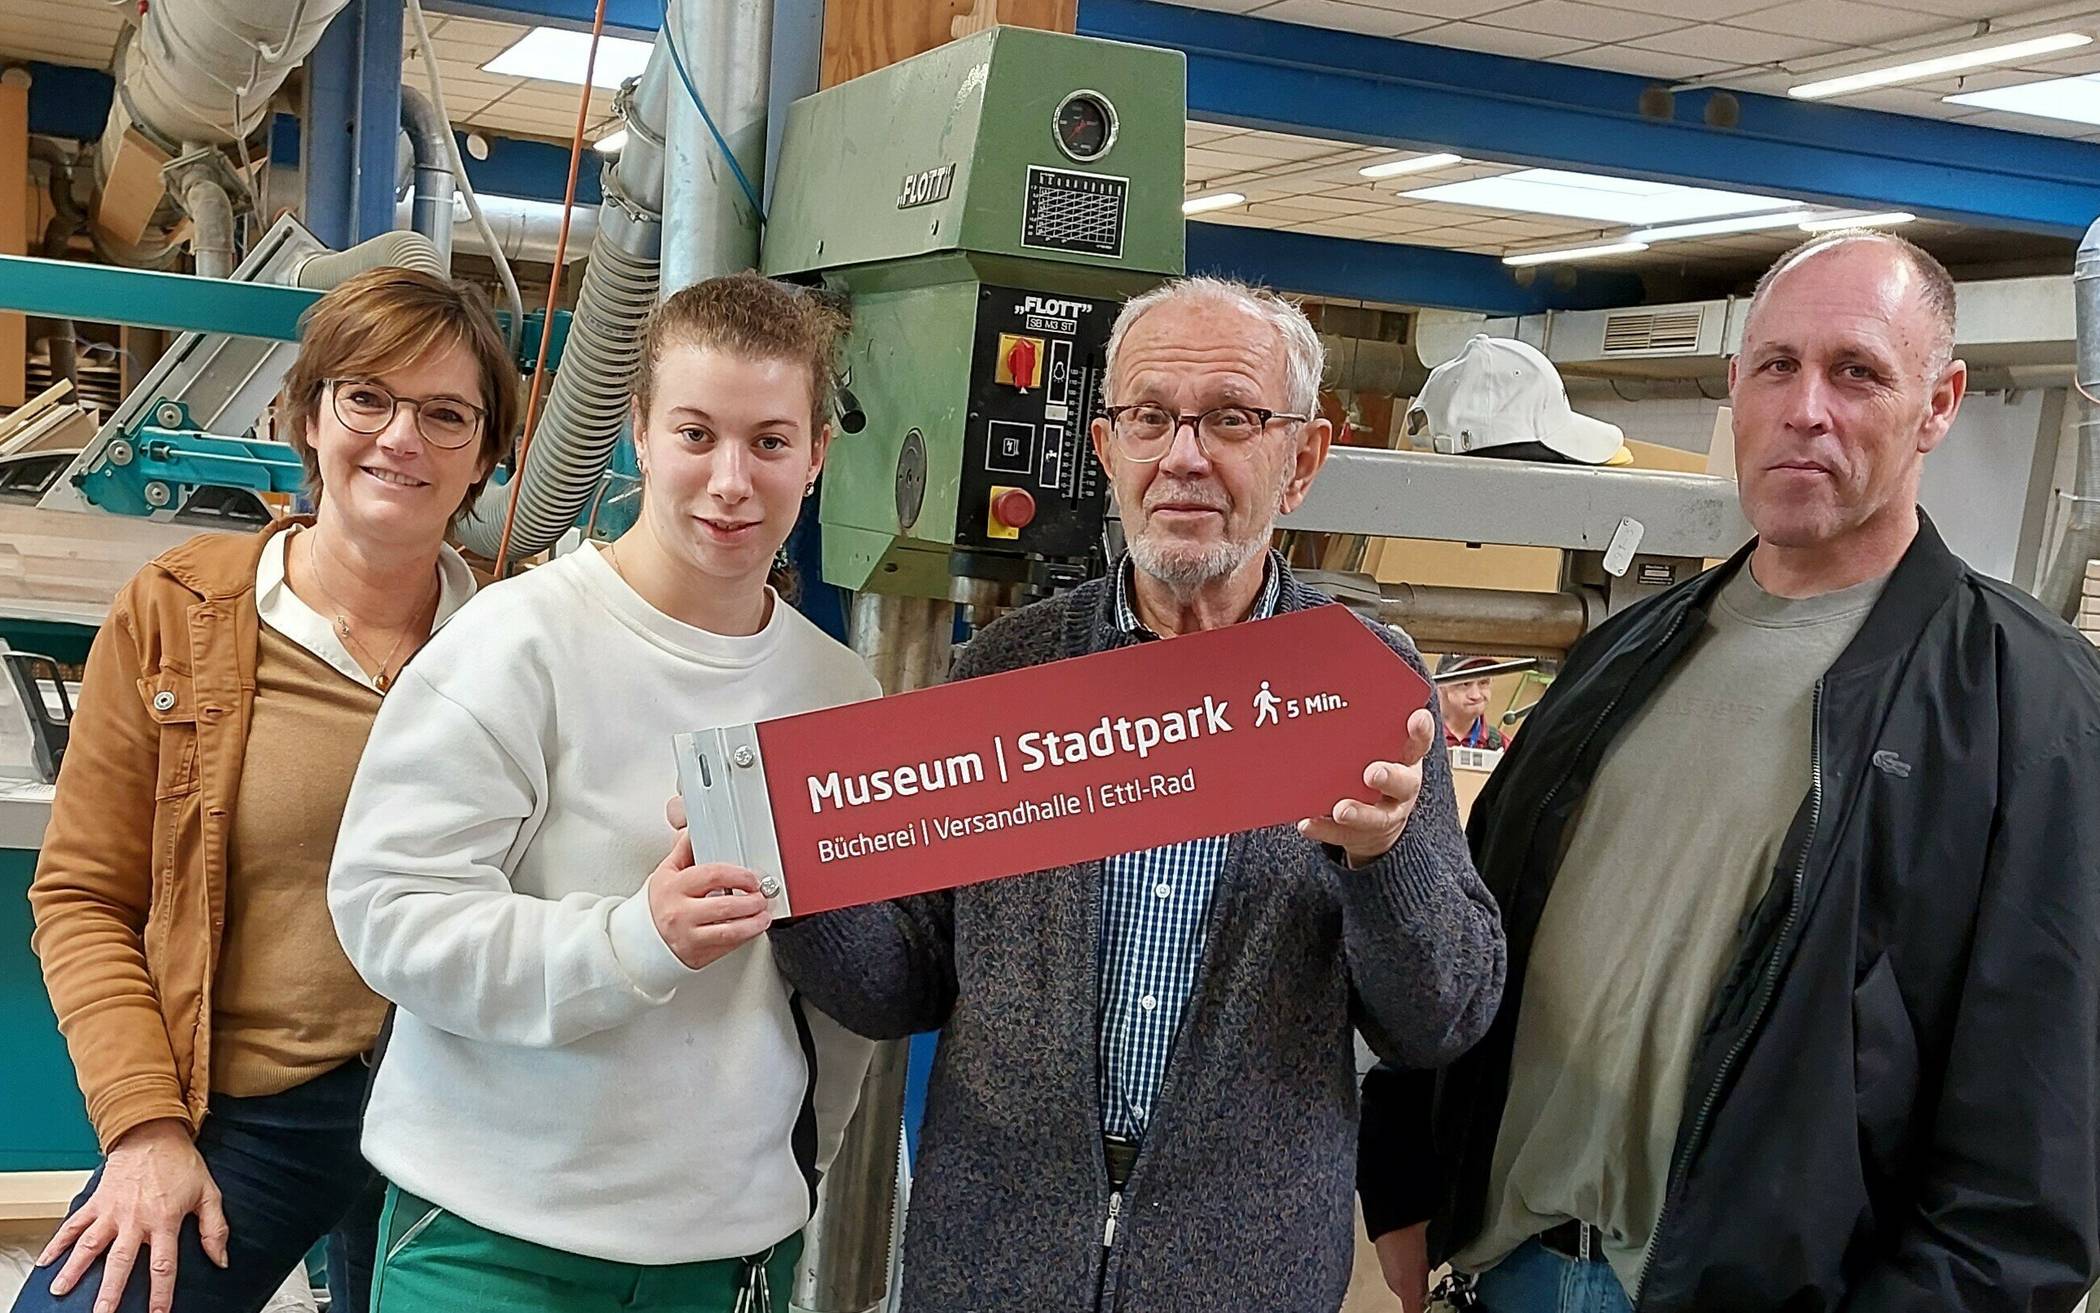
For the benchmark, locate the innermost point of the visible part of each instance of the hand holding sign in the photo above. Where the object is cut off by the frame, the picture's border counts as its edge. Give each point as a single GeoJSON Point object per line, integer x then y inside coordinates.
{"type": "Point", "coordinates": [1367, 831]}
{"type": "Point", "coordinates": [704, 912]}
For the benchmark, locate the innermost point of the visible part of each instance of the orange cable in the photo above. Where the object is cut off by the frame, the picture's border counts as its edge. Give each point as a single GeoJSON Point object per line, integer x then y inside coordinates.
{"type": "Point", "coordinates": [561, 247]}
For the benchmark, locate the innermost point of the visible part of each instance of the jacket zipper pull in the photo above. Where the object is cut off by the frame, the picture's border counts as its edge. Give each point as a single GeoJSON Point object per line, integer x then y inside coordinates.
{"type": "Point", "coordinates": [1115, 1206]}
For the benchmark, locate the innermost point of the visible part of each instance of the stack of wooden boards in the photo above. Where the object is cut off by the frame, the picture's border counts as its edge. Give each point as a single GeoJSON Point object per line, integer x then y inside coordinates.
{"type": "Point", "coordinates": [66, 565]}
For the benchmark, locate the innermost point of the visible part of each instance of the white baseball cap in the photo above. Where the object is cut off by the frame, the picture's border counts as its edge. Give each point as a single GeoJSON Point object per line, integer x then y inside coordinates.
{"type": "Point", "coordinates": [1499, 392]}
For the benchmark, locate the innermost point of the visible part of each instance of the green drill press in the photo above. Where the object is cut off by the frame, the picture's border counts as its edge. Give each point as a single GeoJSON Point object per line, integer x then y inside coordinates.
{"type": "Point", "coordinates": [986, 207]}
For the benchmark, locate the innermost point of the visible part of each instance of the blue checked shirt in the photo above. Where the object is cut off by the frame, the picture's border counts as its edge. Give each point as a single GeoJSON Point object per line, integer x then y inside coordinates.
{"type": "Point", "coordinates": [1155, 912]}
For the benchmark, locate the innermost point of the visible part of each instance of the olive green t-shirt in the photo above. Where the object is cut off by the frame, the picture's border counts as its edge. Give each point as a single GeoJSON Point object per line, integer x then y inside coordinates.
{"type": "Point", "coordinates": [1673, 850]}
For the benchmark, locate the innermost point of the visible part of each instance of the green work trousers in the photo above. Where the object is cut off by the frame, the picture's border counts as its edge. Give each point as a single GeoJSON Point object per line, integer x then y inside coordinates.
{"type": "Point", "coordinates": [431, 1261]}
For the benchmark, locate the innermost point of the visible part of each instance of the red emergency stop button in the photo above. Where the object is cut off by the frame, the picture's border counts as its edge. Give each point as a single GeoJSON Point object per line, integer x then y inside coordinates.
{"type": "Point", "coordinates": [1014, 508]}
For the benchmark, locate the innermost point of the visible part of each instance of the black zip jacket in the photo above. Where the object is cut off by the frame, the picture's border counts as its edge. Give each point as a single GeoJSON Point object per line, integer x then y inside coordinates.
{"type": "Point", "coordinates": [1895, 1103]}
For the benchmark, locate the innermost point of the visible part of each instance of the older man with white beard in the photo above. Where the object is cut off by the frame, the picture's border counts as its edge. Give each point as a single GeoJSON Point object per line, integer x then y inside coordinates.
{"type": "Point", "coordinates": [1145, 1093]}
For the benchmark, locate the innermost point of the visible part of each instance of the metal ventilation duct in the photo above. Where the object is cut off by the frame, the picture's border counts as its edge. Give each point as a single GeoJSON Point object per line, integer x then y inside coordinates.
{"type": "Point", "coordinates": [2013, 323]}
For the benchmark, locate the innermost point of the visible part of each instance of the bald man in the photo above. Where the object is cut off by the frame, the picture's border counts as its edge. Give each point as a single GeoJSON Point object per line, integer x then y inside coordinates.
{"type": "Point", "coordinates": [1800, 866]}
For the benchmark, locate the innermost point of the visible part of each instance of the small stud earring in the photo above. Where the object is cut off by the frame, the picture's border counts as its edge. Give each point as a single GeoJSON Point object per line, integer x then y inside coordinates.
{"type": "Point", "coordinates": [811, 490]}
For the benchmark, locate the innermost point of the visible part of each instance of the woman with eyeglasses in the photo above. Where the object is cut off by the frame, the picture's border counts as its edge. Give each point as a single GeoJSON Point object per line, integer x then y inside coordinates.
{"type": "Point", "coordinates": [180, 900]}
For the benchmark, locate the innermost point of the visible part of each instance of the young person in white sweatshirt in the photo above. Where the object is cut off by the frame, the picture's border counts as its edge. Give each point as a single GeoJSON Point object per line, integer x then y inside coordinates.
{"type": "Point", "coordinates": [599, 1092]}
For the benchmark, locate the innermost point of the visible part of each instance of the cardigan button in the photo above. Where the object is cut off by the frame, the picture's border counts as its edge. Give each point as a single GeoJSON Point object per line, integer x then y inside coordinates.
{"type": "Point", "coordinates": [164, 701]}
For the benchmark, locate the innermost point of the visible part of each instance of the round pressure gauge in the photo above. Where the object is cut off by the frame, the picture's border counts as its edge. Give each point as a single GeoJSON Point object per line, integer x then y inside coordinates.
{"type": "Point", "coordinates": [1086, 125]}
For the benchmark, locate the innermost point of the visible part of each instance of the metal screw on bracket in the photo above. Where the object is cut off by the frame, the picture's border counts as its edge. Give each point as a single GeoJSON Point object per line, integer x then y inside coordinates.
{"type": "Point", "coordinates": [743, 756]}
{"type": "Point", "coordinates": [769, 886]}
{"type": "Point", "coordinates": [168, 414]}
{"type": "Point", "coordinates": [157, 494]}
{"type": "Point", "coordinates": [120, 453]}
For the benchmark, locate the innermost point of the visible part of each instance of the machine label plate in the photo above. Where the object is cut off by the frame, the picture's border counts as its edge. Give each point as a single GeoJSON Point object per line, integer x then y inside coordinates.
{"type": "Point", "coordinates": [1071, 211]}
{"type": "Point", "coordinates": [928, 187]}
{"type": "Point", "coordinates": [1067, 762]}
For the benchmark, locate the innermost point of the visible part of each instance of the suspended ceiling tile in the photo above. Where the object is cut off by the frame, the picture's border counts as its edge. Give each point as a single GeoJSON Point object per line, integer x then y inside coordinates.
{"type": "Point", "coordinates": [1959, 8]}
{"type": "Point", "coordinates": [1501, 41]}
{"type": "Point", "coordinates": [1897, 100]}
{"type": "Point", "coordinates": [1734, 45]}
{"type": "Point", "coordinates": [1571, 18]}
{"type": "Point", "coordinates": [2076, 65]}
{"type": "Point", "coordinates": [1347, 227]}
{"type": "Point", "coordinates": [1330, 204]}
{"type": "Point", "coordinates": [1982, 79]}
{"type": "Point", "coordinates": [1282, 146]}
{"type": "Point", "coordinates": [1444, 10]}
{"type": "Point", "coordinates": [1853, 23]}
{"type": "Point", "coordinates": [1343, 16]}
{"type": "Point", "coordinates": [81, 33]}
{"type": "Point", "coordinates": [1280, 215]}
{"type": "Point", "coordinates": [477, 35]}
{"type": "Point", "coordinates": [1368, 197]}
{"type": "Point", "coordinates": [1644, 63]}
{"type": "Point", "coordinates": [1705, 11]}
{"type": "Point", "coordinates": [1222, 6]}
{"type": "Point", "coordinates": [1998, 118]}
{"type": "Point", "coordinates": [1216, 164]}
{"type": "Point", "coordinates": [556, 100]}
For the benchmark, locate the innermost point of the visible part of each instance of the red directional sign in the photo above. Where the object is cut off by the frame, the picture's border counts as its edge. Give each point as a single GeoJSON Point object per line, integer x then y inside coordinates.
{"type": "Point", "coordinates": [1232, 729]}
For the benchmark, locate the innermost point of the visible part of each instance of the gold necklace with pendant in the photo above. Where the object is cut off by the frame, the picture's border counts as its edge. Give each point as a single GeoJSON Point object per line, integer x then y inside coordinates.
{"type": "Point", "coordinates": [387, 672]}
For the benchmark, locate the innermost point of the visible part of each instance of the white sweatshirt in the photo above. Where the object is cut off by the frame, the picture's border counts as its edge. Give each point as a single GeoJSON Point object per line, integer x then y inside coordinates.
{"type": "Point", "coordinates": [555, 1072]}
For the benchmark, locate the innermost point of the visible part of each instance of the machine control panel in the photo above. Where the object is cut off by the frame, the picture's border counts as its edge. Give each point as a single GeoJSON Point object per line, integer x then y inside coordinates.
{"type": "Point", "coordinates": [1030, 482]}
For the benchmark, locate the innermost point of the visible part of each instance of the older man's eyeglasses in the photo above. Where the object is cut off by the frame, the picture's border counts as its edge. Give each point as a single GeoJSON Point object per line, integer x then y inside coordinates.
{"type": "Point", "coordinates": [1144, 432]}
{"type": "Point", "coordinates": [366, 407]}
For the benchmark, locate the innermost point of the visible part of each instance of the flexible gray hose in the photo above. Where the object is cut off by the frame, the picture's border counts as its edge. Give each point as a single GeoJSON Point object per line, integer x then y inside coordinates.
{"type": "Point", "coordinates": [511, 299]}
{"type": "Point", "coordinates": [2061, 583]}
{"type": "Point", "coordinates": [405, 250]}
{"type": "Point", "coordinates": [586, 407]}
{"type": "Point", "coordinates": [211, 231]}
{"type": "Point", "coordinates": [588, 398]}
{"type": "Point", "coordinates": [427, 134]}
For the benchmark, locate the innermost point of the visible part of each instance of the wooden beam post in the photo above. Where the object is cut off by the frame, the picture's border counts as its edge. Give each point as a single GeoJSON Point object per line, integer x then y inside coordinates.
{"type": "Point", "coordinates": [864, 35]}
{"type": "Point", "coordinates": [14, 225]}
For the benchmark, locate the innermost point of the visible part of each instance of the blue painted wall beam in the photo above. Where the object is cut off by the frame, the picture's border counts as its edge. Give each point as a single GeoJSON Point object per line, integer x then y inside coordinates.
{"type": "Point", "coordinates": [328, 142]}
{"type": "Point", "coordinates": [68, 102]}
{"type": "Point", "coordinates": [1260, 74]}
{"type": "Point", "coordinates": [350, 149]}
{"type": "Point", "coordinates": [1347, 269]}
{"type": "Point", "coordinates": [1295, 262]}
{"type": "Point", "coordinates": [1282, 77]}
{"type": "Point", "coordinates": [378, 127]}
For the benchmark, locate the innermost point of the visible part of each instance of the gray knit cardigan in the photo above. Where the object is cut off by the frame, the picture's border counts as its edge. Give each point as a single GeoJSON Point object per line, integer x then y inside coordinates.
{"type": "Point", "coordinates": [1241, 1196]}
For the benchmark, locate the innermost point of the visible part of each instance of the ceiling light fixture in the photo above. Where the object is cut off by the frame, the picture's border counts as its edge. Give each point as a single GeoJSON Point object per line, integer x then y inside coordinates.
{"type": "Point", "coordinates": [1836, 223]}
{"type": "Point", "coordinates": [555, 54]}
{"type": "Point", "coordinates": [2003, 48]}
{"type": "Point", "coordinates": [1574, 253]}
{"type": "Point", "coordinates": [611, 143]}
{"type": "Point", "coordinates": [2070, 99]}
{"type": "Point", "coordinates": [1743, 223]}
{"type": "Point", "coordinates": [1222, 200]}
{"type": "Point", "coordinates": [1598, 198]}
{"type": "Point", "coordinates": [1419, 164]}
